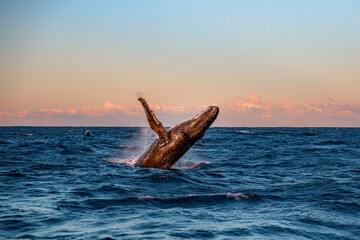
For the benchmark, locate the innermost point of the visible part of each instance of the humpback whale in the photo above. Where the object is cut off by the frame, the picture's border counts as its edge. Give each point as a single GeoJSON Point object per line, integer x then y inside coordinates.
{"type": "Point", "coordinates": [174, 143]}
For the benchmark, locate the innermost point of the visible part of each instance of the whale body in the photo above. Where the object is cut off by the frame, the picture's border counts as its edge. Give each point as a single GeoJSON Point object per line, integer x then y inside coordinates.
{"type": "Point", "coordinates": [174, 143]}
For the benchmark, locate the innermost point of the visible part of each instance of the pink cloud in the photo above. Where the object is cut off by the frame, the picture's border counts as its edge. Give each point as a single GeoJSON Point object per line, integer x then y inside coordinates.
{"type": "Point", "coordinates": [138, 110]}
{"type": "Point", "coordinates": [5, 114]}
{"type": "Point", "coordinates": [173, 109]}
{"type": "Point", "coordinates": [254, 106]}
{"type": "Point", "coordinates": [111, 106]}
{"type": "Point", "coordinates": [250, 111]}
{"type": "Point", "coordinates": [22, 114]}
{"type": "Point", "coordinates": [131, 110]}
{"type": "Point", "coordinates": [51, 111]}
{"type": "Point", "coordinates": [127, 109]}
{"type": "Point", "coordinates": [287, 105]}
{"type": "Point", "coordinates": [72, 111]}
{"type": "Point", "coordinates": [345, 113]}
{"type": "Point", "coordinates": [92, 111]}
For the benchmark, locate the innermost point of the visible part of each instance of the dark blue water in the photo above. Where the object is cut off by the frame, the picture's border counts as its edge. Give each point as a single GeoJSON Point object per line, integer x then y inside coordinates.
{"type": "Point", "coordinates": [258, 183]}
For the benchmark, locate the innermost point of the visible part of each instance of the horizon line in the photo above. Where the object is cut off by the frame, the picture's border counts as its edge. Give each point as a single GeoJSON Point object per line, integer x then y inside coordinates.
{"type": "Point", "coordinates": [94, 126]}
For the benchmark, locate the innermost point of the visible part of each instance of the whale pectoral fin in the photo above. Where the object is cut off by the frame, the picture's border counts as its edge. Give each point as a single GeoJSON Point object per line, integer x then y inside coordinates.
{"type": "Point", "coordinates": [154, 123]}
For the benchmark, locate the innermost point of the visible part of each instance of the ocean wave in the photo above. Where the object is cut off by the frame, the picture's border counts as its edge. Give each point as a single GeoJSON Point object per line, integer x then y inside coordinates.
{"type": "Point", "coordinates": [333, 142]}
{"type": "Point", "coordinates": [177, 166]}
{"type": "Point", "coordinates": [28, 134]}
{"type": "Point", "coordinates": [184, 201]}
{"type": "Point", "coordinates": [268, 183]}
{"type": "Point", "coordinates": [129, 147]}
{"type": "Point", "coordinates": [244, 132]}
{"type": "Point", "coordinates": [192, 165]}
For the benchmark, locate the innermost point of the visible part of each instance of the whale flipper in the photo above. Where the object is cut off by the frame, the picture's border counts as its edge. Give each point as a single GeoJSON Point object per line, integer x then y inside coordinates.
{"type": "Point", "coordinates": [154, 123]}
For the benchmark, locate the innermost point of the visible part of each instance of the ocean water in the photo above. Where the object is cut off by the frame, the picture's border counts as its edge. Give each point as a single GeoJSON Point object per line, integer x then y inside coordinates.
{"type": "Point", "coordinates": [235, 183]}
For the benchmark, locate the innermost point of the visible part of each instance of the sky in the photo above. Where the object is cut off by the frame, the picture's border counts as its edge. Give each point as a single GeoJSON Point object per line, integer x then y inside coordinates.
{"type": "Point", "coordinates": [264, 63]}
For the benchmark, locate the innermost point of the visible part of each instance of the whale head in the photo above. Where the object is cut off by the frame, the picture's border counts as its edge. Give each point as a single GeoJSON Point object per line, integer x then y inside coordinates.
{"type": "Point", "coordinates": [195, 127]}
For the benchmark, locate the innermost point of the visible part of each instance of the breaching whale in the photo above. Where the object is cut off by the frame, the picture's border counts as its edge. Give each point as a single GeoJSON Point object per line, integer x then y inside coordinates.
{"type": "Point", "coordinates": [174, 143]}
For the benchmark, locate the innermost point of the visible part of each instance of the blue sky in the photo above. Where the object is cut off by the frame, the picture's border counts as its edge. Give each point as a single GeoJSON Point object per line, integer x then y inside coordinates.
{"type": "Point", "coordinates": [77, 54]}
